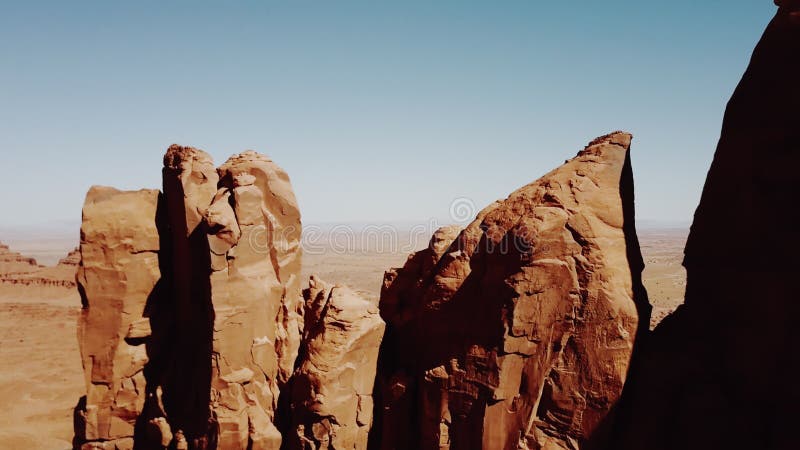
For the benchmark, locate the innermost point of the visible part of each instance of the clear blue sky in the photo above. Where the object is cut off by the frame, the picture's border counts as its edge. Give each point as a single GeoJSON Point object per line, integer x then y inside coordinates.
{"type": "Point", "coordinates": [378, 110]}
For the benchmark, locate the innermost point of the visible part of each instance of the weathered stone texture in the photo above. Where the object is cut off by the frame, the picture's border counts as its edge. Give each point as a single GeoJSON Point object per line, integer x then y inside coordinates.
{"type": "Point", "coordinates": [331, 400]}
{"type": "Point", "coordinates": [517, 332]}
{"type": "Point", "coordinates": [117, 273]}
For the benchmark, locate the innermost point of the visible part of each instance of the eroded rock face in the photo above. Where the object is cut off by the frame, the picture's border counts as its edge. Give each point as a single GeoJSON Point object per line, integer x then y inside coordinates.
{"type": "Point", "coordinates": [721, 371]}
{"type": "Point", "coordinates": [118, 271]}
{"type": "Point", "coordinates": [202, 298]}
{"type": "Point", "coordinates": [253, 226]}
{"type": "Point", "coordinates": [331, 402]}
{"type": "Point", "coordinates": [517, 331]}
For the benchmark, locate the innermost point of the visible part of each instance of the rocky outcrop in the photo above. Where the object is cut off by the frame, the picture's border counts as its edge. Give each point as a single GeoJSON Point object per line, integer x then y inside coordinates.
{"type": "Point", "coordinates": [189, 182]}
{"type": "Point", "coordinates": [517, 331]}
{"type": "Point", "coordinates": [253, 226]}
{"type": "Point", "coordinates": [331, 401]}
{"type": "Point", "coordinates": [721, 371]}
{"type": "Point", "coordinates": [220, 333]}
{"type": "Point", "coordinates": [118, 271]}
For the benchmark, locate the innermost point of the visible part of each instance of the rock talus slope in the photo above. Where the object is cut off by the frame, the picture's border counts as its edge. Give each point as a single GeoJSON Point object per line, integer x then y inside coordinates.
{"type": "Point", "coordinates": [721, 371]}
{"type": "Point", "coordinates": [22, 271]}
{"type": "Point", "coordinates": [517, 331]}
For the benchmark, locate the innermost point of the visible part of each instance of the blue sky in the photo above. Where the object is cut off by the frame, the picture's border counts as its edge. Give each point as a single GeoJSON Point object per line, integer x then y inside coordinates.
{"type": "Point", "coordinates": [379, 111]}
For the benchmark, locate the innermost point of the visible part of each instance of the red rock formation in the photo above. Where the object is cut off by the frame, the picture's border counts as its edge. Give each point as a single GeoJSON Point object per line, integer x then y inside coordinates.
{"type": "Point", "coordinates": [117, 273]}
{"type": "Point", "coordinates": [190, 182]}
{"type": "Point", "coordinates": [224, 307]}
{"type": "Point", "coordinates": [721, 371]}
{"type": "Point", "coordinates": [331, 402]}
{"type": "Point", "coordinates": [517, 331]}
{"type": "Point", "coordinates": [254, 235]}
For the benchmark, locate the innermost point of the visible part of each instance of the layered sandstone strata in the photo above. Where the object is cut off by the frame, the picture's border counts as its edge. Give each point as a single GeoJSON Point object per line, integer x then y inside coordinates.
{"type": "Point", "coordinates": [517, 331]}
{"type": "Point", "coordinates": [13, 262]}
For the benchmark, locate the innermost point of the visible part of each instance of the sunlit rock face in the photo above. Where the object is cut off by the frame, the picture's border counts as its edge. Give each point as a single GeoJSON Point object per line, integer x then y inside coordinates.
{"type": "Point", "coordinates": [517, 331]}
{"type": "Point", "coordinates": [331, 394]}
{"type": "Point", "coordinates": [721, 371]}
{"type": "Point", "coordinates": [193, 310]}
{"type": "Point", "coordinates": [117, 274]}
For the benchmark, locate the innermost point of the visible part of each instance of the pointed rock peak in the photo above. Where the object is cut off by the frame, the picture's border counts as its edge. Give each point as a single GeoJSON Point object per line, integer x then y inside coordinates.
{"type": "Point", "coordinates": [621, 138]}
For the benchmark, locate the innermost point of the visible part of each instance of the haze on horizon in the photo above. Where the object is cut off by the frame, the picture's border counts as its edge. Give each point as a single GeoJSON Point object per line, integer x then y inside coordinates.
{"type": "Point", "coordinates": [378, 112]}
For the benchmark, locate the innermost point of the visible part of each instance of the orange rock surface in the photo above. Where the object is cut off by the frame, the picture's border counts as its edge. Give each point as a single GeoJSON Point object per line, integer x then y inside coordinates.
{"type": "Point", "coordinates": [517, 332]}
{"type": "Point", "coordinates": [117, 273]}
{"type": "Point", "coordinates": [331, 401]}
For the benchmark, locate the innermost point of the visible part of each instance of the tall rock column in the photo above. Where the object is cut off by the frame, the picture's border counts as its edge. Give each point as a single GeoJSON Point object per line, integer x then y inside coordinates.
{"type": "Point", "coordinates": [253, 226]}
{"type": "Point", "coordinates": [517, 332]}
{"type": "Point", "coordinates": [117, 275]}
{"type": "Point", "coordinates": [190, 182]}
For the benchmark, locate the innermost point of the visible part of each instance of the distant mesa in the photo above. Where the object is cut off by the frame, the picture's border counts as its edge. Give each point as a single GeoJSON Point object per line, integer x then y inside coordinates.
{"type": "Point", "coordinates": [19, 270]}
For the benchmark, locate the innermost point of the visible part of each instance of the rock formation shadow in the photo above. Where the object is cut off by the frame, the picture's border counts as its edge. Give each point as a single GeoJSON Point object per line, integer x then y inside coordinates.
{"type": "Point", "coordinates": [721, 371]}
{"type": "Point", "coordinates": [187, 384]}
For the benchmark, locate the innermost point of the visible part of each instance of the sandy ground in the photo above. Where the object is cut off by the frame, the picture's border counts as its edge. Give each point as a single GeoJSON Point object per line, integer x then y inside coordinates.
{"type": "Point", "coordinates": [664, 277]}
{"type": "Point", "coordinates": [41, 377]}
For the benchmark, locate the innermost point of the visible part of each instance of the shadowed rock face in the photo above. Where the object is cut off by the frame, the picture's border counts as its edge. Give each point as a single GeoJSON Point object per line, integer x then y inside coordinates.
{"type": "Point", "coordinates": [517, 331]}
{"type": "Point", "coordinates": [721, 372]}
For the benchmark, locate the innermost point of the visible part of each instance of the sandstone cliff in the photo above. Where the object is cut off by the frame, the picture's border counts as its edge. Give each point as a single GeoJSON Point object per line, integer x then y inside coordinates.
{"type": "Point", "coordinates": [192, 318]}
{"type": "Point", "coordinates": [721, 371]}
{"type": "Point", "coordinates": [117, 273]}
{"type": "Point", "coordinates": [517, 331]}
